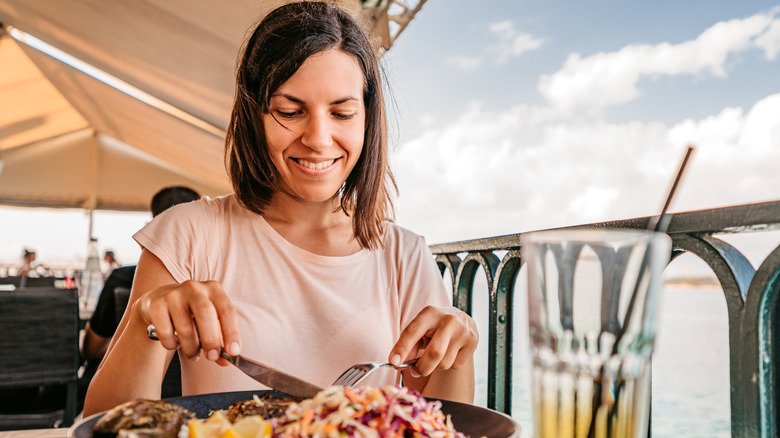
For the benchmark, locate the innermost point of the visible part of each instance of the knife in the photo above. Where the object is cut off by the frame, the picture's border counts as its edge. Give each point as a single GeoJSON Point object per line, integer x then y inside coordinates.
{"type": "Point", "coordinates": [270, 377]}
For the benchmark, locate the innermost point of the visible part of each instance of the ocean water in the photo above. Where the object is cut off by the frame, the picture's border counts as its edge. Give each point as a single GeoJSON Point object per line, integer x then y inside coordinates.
{"type": "Point", "coordinates": [690, 395]}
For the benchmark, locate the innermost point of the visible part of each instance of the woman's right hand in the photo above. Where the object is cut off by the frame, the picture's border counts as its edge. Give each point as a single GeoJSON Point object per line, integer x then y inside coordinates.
{"type": "Point", "coordinates": [186, 316]}
{"type": "Point", "coordinates": [192, 316]}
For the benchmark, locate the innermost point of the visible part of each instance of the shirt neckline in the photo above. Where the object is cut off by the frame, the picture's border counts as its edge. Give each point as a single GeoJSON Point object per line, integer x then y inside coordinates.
{"type": "Point", "coordinates": [305, 254]}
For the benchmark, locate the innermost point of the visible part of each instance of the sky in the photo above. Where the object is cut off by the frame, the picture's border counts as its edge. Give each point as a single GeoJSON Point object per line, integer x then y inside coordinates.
{"type": "Point", "coordinates": [510, 116]}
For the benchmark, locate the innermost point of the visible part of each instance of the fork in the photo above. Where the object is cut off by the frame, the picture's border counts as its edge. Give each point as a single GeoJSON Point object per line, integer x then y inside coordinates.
{"type": "Point", "coordinates": [358, 372]}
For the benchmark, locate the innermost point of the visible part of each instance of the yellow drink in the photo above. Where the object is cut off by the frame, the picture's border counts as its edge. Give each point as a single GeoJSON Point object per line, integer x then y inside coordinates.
{"type": "Point", "coordinates": [581, 405]}
{"type": "Point", "coordinates": [592, 313]}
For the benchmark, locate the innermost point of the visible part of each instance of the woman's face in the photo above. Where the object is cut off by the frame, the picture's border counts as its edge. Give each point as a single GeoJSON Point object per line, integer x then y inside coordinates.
{"type": "Point", "coordinates": [316, 124]}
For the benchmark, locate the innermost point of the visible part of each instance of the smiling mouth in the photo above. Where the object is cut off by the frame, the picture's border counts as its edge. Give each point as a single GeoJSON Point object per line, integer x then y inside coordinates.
{"type": "Point", "coordinates": [314, 166]}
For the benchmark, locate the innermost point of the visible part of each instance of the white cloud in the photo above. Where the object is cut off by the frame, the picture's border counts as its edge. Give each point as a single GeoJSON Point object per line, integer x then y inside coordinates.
{"type": "Point", "coordinates": [736, 169]}
{"type": "Point", "coordinates": [770, 40]}
{"type": "Point", "coordinates": [508, 43]}
{"type": "Point", "coordinates": [511, 42]}
{"type": "Point", "coordinates": [466, 63]}
{"type": "Point", "coordinates": [718, 132]}
{"type": "Point", "coordinates": [762, 128]}
{"type": "Point", "coordinates": [594, 203]}
{"type": "Point", "coordinates": [594, 82]}
{"type": "Point", "coordinates": [492, 173]}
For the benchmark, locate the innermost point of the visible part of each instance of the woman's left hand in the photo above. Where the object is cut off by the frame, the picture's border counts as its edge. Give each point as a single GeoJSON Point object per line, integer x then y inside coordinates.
{"type": "Point", "coordinates": [442, 337]}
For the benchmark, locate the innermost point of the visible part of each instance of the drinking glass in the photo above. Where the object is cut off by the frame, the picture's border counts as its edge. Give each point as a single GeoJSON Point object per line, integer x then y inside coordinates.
{"type": "Point", "coordinates": [593, 299]}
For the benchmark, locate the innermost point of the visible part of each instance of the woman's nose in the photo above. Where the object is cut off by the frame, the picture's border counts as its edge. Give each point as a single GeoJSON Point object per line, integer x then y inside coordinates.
{"type": "Point", "coordinates": [317, 132]}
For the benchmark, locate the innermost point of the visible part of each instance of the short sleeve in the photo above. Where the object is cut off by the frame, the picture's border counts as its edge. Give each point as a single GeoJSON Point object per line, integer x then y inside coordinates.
{"type": "Point", "coordinates": [420, 281]}
{"type": "Point", "coordinates": [179, 238]}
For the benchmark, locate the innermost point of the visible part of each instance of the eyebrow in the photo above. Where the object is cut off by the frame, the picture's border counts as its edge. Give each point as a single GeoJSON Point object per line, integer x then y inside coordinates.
{"type": "Point", "coordinates": [294, 99]}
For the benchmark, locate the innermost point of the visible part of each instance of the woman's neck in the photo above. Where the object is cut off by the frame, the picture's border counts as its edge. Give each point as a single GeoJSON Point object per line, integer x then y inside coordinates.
{"type": "Point", "coordinates": [321, 228]}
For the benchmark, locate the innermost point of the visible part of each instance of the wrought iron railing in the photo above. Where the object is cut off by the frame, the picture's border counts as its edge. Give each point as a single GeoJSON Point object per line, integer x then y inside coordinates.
{"type": "Point", "coordinates": [751, 298]}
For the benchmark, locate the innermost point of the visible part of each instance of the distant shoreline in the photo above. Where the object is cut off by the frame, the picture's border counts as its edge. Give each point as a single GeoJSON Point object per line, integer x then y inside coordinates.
{"type": "Point", "coordinates": [692, 283]}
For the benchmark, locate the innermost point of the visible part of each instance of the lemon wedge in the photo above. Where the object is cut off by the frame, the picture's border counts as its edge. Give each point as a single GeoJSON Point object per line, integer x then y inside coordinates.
{"type": "Point", "coordinates": [218, 426]}
{"type": "Point", "coordinates": [251, 427]}
{"type": "Point", "coordinates": [213, 427]}
{"type": "Point", "coordinates": [201, 429]}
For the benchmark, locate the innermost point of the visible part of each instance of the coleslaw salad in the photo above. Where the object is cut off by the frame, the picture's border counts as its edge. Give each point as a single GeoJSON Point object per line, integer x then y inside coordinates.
{"type": "Point", "coordinates": [388, 412]}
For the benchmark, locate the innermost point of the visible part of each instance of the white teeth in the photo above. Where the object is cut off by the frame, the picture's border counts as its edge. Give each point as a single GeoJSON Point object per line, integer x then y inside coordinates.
{"type": "Point", "coordinates": [315, 166]}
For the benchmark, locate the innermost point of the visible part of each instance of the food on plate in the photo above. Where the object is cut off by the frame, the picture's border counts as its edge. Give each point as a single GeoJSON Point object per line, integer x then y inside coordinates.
{"type": "Point", "coordinates": [218, 426]}
{"type": "Point", "coordinates": [391, 411]}
{"type": "Point", "coordinates": [387, 412]}
{"type": "Point", "coordinates": [265, 406]}
{"type": "Point", "coordinates": [142, 418]}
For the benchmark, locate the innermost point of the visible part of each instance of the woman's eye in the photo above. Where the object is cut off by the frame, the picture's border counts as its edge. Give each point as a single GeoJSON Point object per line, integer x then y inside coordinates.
{"type": "Point", "coordinates": [343, 116]}
{"type": "Point", "coordinates": [287, 114]}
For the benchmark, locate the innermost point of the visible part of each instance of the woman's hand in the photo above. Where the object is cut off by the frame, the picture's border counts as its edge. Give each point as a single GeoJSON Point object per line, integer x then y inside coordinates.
{"type": "Point", "coordinates": [192, 316]}
{"type": "Point", "coordinates": [442, 337]}
{"type": "Point", "coordinates": [187, 316]}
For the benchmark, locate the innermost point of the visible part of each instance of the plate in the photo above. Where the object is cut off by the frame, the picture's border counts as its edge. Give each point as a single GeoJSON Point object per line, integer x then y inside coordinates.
{"type": "Point", "coordinates": [472, 420]}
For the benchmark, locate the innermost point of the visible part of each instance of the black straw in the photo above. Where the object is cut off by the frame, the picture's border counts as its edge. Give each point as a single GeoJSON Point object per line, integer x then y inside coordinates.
{"type": "Point", "coordinates": [661, 222]}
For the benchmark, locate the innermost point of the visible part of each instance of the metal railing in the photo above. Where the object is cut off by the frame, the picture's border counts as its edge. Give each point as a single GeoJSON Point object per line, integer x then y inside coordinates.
{"type": "Point", "coordinates": [751, 296]}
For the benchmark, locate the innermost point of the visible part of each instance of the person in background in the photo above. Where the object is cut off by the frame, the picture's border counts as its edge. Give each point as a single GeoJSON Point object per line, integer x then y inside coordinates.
{"type": "Point", "coordinates": [28, 258]}
{"type": "Point", "coordinates": [103, 323]}
{"type": "Point", "coordinates": [301, 267]}
{"type": "Point", "coordinates": [110, 258]}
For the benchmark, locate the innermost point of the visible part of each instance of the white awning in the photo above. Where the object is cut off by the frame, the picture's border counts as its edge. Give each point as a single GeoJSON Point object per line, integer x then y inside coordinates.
{"type": "Point", "coordinates": [104, 102]}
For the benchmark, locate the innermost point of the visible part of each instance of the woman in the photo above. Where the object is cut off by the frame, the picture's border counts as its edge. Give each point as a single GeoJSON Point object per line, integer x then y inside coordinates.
{"type": "Point", "coordinates": [112, 262]}
{"type": "Point", "coordinates": [27, 263]}
{"type": "Point", "coordinates": [300, 267]}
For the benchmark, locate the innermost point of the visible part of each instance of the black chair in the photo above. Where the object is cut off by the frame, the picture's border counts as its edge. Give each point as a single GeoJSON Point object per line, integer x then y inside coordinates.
{"type": "Point", "coordinates": [14, 280]}
{"type": "Point", "coordinates": [40, 358]}
{"type": "Point", "coordinates": [25, 281]}
{"type": "Point", "coordinates": [37, 282]}
{"type": "Point", "coordinates": [171, 385]}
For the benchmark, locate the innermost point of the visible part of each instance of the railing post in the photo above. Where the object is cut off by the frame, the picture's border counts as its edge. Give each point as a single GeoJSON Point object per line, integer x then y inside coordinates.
{"type": "Point", "coordinates": [762, 348]}
{"type": "Point", "coordinates": [734, 272]}
{"type": "Point", "coordinates": [501, 329]}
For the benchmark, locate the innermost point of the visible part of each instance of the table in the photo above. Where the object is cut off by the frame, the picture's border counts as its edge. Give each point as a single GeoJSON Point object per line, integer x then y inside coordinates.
{"type": "Point", "coordinates": [36, 433]}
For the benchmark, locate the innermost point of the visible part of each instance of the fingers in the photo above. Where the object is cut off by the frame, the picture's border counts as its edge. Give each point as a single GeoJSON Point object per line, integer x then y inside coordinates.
{"type": "Point", "coordinates": [442, 337]}
{"type": "Point", "coordinates": [194, 317]}
{"type": "Point", "coordinates": [152, 312]}
{"type": "Point", "coordinates": [229, 325]}
{"type": "Point", "coordinates": [406, 346]}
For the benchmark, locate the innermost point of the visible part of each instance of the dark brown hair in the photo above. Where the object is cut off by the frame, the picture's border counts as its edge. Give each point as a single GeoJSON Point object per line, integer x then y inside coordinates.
{"type": "Point", "coordinates": [170, 196]}
{"type": "Point", "coordinates": [279, 45]}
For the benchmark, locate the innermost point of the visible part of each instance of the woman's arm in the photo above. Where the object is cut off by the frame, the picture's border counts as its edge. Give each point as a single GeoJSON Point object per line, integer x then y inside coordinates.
{"type": "Point", "coordinates": [442, 336]}
{"type": "Point", "coordinates": [133, 366]}
{"type": "Point", "coordinates": [187, 316]}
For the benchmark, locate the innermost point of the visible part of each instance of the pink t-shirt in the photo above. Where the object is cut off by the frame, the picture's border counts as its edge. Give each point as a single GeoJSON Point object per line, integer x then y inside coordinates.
{"type": "Point", "coordinates": [309, 315]}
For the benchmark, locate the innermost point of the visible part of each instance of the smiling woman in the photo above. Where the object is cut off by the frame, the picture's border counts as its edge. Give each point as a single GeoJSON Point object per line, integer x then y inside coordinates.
{"type": "Point", "coordinates": [304, 253]}
{"type": "Point", "coordinates": [282, 71]}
